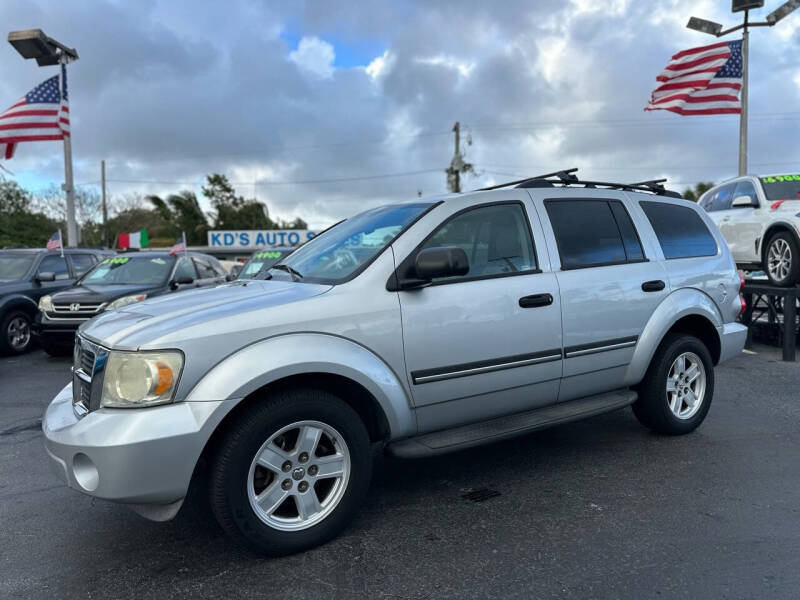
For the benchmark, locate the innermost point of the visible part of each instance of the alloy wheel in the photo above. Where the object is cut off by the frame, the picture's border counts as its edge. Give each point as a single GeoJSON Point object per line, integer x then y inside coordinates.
{"type": "Point", "coordinates": [18, 333]}
{"type": "Point", "coordinates": [779, 259]}
{"type": "Point", "coordinates": [686, 385]}
{"type": "Point", "coordinates": [299, 475]}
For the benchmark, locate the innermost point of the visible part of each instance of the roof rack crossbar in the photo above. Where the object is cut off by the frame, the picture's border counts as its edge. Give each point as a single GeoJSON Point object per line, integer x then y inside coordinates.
{"type": "Point", "coordinates": [565, 175]}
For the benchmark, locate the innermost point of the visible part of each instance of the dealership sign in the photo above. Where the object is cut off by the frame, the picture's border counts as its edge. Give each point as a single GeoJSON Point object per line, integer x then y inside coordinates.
{"type": "Point", "coordinates": [259, 238]}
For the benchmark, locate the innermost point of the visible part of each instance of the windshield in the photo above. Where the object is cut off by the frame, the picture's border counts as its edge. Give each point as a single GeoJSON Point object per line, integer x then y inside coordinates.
{"type": "Point", "coordinates": [127, 270]}
{"type": "Point", "coordinates": [260, 262]}
{"type": "Point", "coordinates": [781, 187]}
{"type": "Point", "coordinates": [336, 254]}
{"type": "Point", "coordinates": [14, 266]}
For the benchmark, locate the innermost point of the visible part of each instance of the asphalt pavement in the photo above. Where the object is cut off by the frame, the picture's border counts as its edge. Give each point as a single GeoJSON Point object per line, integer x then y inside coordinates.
{"type": "Point", "coordinates": [596, 509]}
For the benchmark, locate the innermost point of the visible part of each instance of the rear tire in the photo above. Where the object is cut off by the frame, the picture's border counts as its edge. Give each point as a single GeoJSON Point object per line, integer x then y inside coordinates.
{"type": "Point", "coordinates": [782, 260]}
{"type": "Point", "coordinates": [291, 472]}
{"type": "Point", "coordinates": [676, 392]}
{"type": "Point", "coordinates": [15, 332]}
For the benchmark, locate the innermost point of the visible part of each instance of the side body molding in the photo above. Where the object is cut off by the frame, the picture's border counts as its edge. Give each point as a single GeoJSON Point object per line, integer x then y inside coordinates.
{"type": "Point", "coordinates": [293, 354]}
{"type": "Point", "coordinates": [679, 304]}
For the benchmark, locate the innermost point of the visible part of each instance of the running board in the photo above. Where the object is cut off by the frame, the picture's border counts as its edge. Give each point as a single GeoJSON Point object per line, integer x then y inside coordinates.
{"type": "Point", "coordinates": [466, 436]}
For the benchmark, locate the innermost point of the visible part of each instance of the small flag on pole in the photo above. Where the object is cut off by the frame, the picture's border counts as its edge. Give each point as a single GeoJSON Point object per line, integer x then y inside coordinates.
{"type": "Point", "coordinates": [135, 239]}
{"type": "Point", "coordinates": [40, 115]}
{"type": "Point", "coordinates": [701, 81]}
{"type": "Point", "coordinates": [179, 246]}
{"type": "Point", "coordinates": [54, 243]}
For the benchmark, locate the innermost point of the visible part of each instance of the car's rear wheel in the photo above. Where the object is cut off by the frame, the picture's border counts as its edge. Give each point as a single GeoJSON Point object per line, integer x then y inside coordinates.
{"type": "Point", "coordinates": [15, 332]}
{"type": "Point", "coordinates": [291, 471]}
{"type": "Point", "coordinates": [782, 259]}
{"type": "Point", "coordinates": [676, 393]}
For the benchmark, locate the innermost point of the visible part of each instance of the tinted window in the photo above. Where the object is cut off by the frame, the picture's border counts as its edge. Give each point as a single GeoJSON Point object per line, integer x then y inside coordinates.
{"type": "Point", "coordinates": [496, 239]}
{"type": "Point", "coordinates": [204, 269]}
{"type": "Point", "coordinates": [185, 268]}
{"type": "Point", "coordinates": [54, 264]}
{"type": "Point", "coordinates": [587, 233]}
{"type": "Point", "coordinates": [680, 230]}
{"type": "Point", "coordinates": [633, 247]}
{"type": "Point", "coordinates": [723, 198]}
{"type": "Point", "coordinates": [81, 263]}
{"type": "Point", "coordinates": [746, 188]}
{"type": "Point", "coordinates": [15, 266]}
{"type": "Point", "coordinates": [706, 199]}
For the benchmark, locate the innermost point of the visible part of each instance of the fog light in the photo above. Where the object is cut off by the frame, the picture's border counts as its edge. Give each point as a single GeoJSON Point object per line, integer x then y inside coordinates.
{"type": "Point", "coordinates": [85, 472]}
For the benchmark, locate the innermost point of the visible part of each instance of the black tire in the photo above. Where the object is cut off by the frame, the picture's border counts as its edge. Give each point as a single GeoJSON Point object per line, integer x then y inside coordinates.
{"type": "Point", "coordinates": [653, 405]}
{"type": "Point", "coordinates": [9, 325]}
{"type": "Point", "coordinates": [55, 349]}
{"type": "Point", "coordinates": [793, 274]}
{"type": "Point", "coordinates": [230, 469]}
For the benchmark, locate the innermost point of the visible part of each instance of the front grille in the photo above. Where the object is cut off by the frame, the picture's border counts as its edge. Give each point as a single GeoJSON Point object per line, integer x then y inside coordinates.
{"type": "Point", "coordinates": [87, 379]}
{"type": "Point", "coordinates": [76, 310]}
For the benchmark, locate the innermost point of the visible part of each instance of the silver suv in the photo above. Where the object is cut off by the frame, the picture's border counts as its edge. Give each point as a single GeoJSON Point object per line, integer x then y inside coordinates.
{"type": "Point", "coordinates": [421, 327]}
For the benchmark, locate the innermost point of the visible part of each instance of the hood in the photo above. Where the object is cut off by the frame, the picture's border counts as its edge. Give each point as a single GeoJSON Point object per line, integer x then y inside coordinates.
{"type": "Point", "coordinates": [99, 293]}
{"type": "Point", "coordinates": [10, 286]}
{"type": "Point", "coordinates": [178, 317]}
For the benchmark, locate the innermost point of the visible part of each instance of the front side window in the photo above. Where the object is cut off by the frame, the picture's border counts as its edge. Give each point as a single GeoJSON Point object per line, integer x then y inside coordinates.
{"type": "Point", "coordinates": [592, 233]}
{"type": "Point", "coordinates": [339, 253]}
{"type": "Point", "coordinates": [15, 266]}
{"type": "Point", "coordinates": [185, 268]}
{"type": "Point", "coordinates": [680, 230]}
{"type": "Point", "coordinates": [746, 188]}
{"type": "Point", "coordinates": [54, 264]}
{"type": "Point", "coordinates": [496, 239]}
{"type": "Point", "coordinates": [204, 269]}
{"type": "Point", "coordinates": [130, 271]}
{"type": "Point", "coordinates": [723, 198]}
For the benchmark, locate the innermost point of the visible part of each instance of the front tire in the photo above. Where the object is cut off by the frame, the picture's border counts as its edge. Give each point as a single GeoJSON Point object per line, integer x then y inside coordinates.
{"type": "Point", "coordinates": [15, 332]}
{"type": "Point", "coordinates": [55, 349]}
{"type": "Point", "coordinates": [676, 393]}
{"type": "Point", "coordinates": [291, 471]}
{"type": "Point", "coordinates": [782, 260]}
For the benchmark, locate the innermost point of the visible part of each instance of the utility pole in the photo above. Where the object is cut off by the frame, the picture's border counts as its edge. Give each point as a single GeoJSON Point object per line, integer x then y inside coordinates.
{"type": "Point", "coordinates": [715, 29]}
{"type": "Point", "coordinates": [457, 165]}
{"type": "Point", "coordinates": [105, 206]}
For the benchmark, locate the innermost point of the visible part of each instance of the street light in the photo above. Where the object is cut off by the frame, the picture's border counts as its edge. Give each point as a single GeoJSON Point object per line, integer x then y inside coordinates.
{"type": "Point", "coordinates": [33, 43]}
{"type": "Point", "coordinates": [716, 30]}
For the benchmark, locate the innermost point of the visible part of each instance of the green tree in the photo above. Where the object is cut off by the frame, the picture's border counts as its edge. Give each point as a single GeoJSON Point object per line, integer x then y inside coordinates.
{"type": "Point", "coordinates": [19, 226]}
{"type": "Point", "coordinates": [694, 193]}
{"type": "Point", "coordinates": [183, 212]}
{"type": "Point", "coordinates": [232, 211]}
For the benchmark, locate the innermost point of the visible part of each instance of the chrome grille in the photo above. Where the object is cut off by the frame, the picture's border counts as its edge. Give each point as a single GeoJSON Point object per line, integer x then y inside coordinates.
{"type": "Point", "coordinates": [87, 376]}
{"type": "Point", "coordinates": [76, 310]}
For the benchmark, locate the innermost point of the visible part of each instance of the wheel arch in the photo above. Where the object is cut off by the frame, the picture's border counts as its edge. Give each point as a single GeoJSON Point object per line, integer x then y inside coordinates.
{"type": "Point", "coordinates": [776, 227]}
{"type": "Point", "coordinates": [19, 301]}
{"type": "Point", "coordinates": [687, 311]}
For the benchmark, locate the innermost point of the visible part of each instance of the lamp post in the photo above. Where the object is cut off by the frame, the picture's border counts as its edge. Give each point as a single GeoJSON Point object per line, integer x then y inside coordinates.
{"type": "Point", "coordinates": [33, 43]}
{"type": "Point", "coordinates": [715, 29]}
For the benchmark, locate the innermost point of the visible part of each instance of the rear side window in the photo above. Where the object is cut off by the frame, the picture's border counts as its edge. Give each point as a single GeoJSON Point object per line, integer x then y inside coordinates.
{"type": "Point", "coordinates": [723, 198]}
{"type": "Point", "coordinates": [680, 230]}
{"type": "Point", "coordinates": [592, 233]}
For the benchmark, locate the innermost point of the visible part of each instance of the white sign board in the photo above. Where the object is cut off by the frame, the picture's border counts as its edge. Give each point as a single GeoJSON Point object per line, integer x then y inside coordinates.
{"type": "Point", "coordinates": [251, 239]}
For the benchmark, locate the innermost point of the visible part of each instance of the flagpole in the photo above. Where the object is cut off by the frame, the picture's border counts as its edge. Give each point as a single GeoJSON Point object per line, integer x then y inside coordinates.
{"type": "Point", "coordinates": [61, 242]}
{"type": "Point", "coordinates": [185, 249]}
{"type": "Point", "coordinates": [743, 115]}
{"type": "Point", "coordinates": [72, 229]}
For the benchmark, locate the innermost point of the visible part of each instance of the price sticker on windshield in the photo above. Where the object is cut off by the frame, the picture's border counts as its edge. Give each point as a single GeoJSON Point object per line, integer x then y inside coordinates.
{"type": "Point", "coordinates": [780, 178]}
{"type": "Point", "coordinates": [117, 260]}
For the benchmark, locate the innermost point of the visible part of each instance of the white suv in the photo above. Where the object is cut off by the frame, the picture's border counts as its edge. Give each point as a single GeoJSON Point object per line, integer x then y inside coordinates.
{"type": "Point", "coordinates": [759, 217]}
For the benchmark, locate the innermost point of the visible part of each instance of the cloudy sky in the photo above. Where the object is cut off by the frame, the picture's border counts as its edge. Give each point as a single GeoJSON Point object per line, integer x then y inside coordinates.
{"type": "Point", "coordinates": [284, 97]}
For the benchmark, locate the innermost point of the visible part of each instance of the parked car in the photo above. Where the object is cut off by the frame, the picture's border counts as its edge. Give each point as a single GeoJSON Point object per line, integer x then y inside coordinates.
{"type": "Point", "coordinates": [117, 282]}
{"type": "Point", "coordinates": [232, 268]}
{"type": "Point", "coordinates": [25, 275]}
{"type": "Point", "coordinates": [759, 217]}
{"type": "Point", "coordinates": [423, 327]}
{"type": "Point", "coordinates": [261, 261]}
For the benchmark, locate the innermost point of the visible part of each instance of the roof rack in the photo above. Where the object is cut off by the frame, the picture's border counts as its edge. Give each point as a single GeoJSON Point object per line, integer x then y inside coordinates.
{"type": "Point", "coordinates": [567, 177]}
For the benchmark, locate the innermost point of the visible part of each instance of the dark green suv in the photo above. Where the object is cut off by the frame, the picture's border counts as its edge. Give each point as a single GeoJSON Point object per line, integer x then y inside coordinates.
{"type": "Point", "coordinates": [26, 275]}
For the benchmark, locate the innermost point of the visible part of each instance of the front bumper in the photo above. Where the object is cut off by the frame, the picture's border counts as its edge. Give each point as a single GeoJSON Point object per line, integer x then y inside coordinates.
{"type": "Point", "coordinates": [58, 331]}
{"type": "Point", "coordinates": [732, 337]}
{"type": "Point", "coordinates": [139, 456]}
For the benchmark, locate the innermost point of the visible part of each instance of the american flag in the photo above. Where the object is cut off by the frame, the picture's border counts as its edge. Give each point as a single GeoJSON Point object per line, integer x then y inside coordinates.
{"type": "Point", "coordinates": [41, 114]}
{"type": "Point", "coordinates": [180, 245]}
{"type": "Point", "coordinates": [55, 241]}
{"type": "Point", "coordinates": [701, 81]}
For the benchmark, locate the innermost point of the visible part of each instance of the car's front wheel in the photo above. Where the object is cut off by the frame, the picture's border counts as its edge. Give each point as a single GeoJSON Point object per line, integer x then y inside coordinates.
{"type": "Point", "coordinates": [782, 259]}
{"type": "Point", "coordinates": [676, 392]}
{"type": "Point", "coordinates": [291, 471]}
{"type": "Point", "coordinates": [15, 332]}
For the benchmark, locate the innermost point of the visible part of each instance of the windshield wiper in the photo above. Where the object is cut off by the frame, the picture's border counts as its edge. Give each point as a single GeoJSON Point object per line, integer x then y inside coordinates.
{"type": "Point", "coordinates": [296, 275]}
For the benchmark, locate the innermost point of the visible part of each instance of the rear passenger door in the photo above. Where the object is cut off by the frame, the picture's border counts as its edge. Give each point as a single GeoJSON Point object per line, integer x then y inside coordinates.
{"type": "Point", "coordinates": [487, 343]}
{"type": "Point", "coordinates": [609, 289]}
{"type": "Point", "coordinates": [741, 225]}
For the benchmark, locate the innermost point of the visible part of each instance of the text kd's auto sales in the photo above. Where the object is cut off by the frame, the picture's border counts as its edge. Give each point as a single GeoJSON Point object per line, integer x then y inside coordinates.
{"type": "Point", "coordinates": [255, 238]}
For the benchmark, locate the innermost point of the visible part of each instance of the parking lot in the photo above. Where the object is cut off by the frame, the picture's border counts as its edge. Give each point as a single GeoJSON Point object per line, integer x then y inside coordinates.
{"type": "Point", "coordinates": [600, 508]}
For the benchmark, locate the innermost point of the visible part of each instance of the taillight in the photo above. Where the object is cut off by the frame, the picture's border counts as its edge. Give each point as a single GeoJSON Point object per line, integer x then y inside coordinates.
{"type": "Point", "coordinates": [741, 296]}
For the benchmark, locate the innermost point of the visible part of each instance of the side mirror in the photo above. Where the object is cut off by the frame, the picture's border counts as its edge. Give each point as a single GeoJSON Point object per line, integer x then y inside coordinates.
{"type": "Point", "coordinates": [180, 281]}
{"type": "Point", "coordinates": [46, 276]}
{"type": "Point", "coordinates": [742, 202]}
{"type": "Point", "coordinates": [230, 277]}
{"type": "Point", "coordinates": [445, 261]}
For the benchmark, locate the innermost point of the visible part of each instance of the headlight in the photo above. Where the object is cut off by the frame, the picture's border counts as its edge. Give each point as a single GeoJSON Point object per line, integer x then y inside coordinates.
{"type": "Point", "coordinates": [140, 378]}
{"type": "Point", "coordinates": [46, 304]}
{"type": "Point", "coordinates": [125, 300]}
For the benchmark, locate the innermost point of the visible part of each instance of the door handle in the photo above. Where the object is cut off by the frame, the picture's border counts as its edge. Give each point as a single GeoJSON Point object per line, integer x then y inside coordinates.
{"type": "Point", "coordinates": [536, 300]}
{"type": "Point", "coordinates": [653, 286]}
